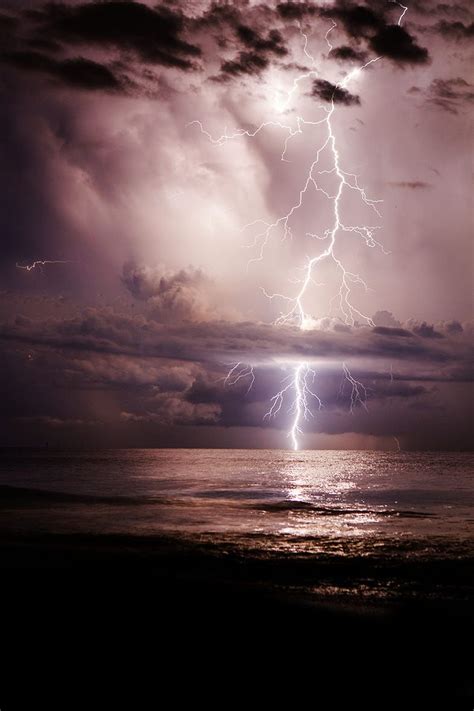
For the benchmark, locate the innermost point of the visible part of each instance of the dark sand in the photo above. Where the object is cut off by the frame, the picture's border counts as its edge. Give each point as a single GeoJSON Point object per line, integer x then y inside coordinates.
{"type": "Point", "coordinates": [162, 623]}
{"type": "Point", "coordinates": [81, 606]}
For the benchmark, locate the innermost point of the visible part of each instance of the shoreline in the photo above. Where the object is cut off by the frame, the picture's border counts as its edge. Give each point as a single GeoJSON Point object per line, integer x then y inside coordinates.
{"type": "Point", "coordinates": [62, 591]}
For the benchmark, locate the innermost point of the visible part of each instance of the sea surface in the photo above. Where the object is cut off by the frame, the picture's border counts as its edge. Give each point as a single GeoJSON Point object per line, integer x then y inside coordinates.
{"type": "Point", "coordinates": [358, 563]}
{"type": "Point", "coordinates": [326, 502]}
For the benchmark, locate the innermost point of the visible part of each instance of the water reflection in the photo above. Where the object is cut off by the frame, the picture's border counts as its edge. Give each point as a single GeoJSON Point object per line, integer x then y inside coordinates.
{"type": "Point", "coordinates": [326, 495]}
{"type": "Point", "coordinates": [318, 499]}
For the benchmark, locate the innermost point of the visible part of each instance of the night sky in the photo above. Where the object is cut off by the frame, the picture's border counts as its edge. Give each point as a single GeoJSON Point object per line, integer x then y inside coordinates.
{"type": "Point", "coordinates": [153, 218]}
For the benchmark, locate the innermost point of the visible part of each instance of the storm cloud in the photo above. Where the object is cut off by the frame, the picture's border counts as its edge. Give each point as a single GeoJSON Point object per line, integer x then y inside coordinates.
{"type": "Point", "coordinates": [150, 153]}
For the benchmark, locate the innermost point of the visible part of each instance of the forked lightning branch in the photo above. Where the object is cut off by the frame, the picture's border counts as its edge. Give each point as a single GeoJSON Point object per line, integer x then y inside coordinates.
{"type": "Point", "coordinates": [297, 395]}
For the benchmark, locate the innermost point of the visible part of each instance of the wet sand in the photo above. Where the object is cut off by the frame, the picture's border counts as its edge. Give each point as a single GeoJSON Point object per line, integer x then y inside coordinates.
{"type": "Point", "coordinates": [148, 609]}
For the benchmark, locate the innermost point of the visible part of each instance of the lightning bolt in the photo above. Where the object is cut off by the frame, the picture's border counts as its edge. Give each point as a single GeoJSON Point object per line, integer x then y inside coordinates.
{"type": "Point", "coordinates": [358, 390]}
{"type": "Point", "coordinates": [299, 384]}
{"type": "Point", "coordinates": [40, 263]}
{"type": "Point", "coordinates": [404, 8]}
{"type": "Point", "coordinates": [238, 372]}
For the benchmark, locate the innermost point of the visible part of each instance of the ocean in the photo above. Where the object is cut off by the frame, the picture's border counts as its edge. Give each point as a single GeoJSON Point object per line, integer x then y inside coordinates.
{"type": "Point", "coordinates": [344, 503]}
{"type": "Point", "coordinates": [345, 573]}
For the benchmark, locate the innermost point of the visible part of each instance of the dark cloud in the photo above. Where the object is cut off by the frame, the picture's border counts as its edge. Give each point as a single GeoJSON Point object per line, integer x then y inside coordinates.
{"type": "Point", "coordinates": [393, 332]}
{"type": "Point", "coordinates": [326, 91]}
{"type": "Point", "coordinates": [450, 94]}
{"type": "Point", "coordinates": [348, 54]}
{"type": "Point", "coordinates": [149, 370]}
{"type": "Point", "coordinates": [78, 73]}
{"type": "Point", "coordinates": [395, 43]}
{"type": "Point", "coordinates": [370, 23]}
{"type": "Point", "coordinates": [454, 327]}
{"type": "Point", "coordinates": [273, 43]}
{"type": "Point", "coordinates": [247, 63]}
{"type": "Point", "coordinates": [357, 20]}
{"type": "Point", "coordinates": [7, 25]}
{"type": "Point", "coordinates": [456, 31]}
{"type": "Point", "coordinates": [155, 35]}
{"type": "Point", "coordinates": [87, 179]}
{"type": "Point", "coordinates": [105, 331]}
{"type": "Point", "coordinates": [454, 10]}
{"type": "Point", "coordinates": [217, 15]}
{"type": "Point", "coordinates": [101, 370]}
{"type": "Point", "coordinates": [296, 10]}
{"type": "Point", "coordinates": [426, 330]}
{"type": "Point", "coordinates": [255, 52]}
{"type": "Point", "coordinates": [45, 45]}
{"type": "Point", "coordinates": [387, 389]}
{"type": "Point", "coordinates": [176, 411]}
{"type": "Point", "coordinates": [57, 422]}
{"type": "Point", "coordinates": [411, 185]}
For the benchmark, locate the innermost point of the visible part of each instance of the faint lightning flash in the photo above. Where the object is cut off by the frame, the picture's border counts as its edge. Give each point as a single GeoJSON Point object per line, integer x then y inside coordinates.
{"type": "Point", "coordinates": [239, 372]}
{"type": "Point", "coordinates": [298, 383]}
{"type": "Point", "coordinates": [41, 263]}
{"type": "Point", "coordinates": [358, 391]}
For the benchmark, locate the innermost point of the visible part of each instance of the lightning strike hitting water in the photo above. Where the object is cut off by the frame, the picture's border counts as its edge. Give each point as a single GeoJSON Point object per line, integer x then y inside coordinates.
{"type": "Point", "coordinates": [300, 383]}
{"type": "Point", "coordinates": [303, 376]}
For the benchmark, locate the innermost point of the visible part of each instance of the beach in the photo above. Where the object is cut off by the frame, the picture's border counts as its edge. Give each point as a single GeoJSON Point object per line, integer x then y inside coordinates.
{"type": "Point", "coordinates": [349, 616]}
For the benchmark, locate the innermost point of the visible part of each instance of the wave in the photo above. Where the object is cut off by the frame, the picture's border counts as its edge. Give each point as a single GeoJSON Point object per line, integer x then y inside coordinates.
{"type": "Point", "coordinates": [297, 505]}
{"type": "Point", "coordinates": [21, 495]}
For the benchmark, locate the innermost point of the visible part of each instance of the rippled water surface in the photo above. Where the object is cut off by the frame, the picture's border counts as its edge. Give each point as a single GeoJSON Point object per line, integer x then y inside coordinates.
{"type": "Point", "coordinates": [312, 500]}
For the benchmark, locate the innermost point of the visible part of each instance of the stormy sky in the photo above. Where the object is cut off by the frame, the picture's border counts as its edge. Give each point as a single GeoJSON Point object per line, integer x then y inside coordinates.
{"type": "Point", "coordinates": [131, 158]}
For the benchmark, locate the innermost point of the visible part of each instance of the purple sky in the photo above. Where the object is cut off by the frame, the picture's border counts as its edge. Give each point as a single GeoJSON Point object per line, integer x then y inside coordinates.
{"type": "Point", "coordinates": [129, 341]}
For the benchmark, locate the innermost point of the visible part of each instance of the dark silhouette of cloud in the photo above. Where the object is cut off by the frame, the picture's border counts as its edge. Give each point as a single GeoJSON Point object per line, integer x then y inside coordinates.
{"type": "Point", "coordinates": [296, 10]}
{"type": "Point", "coordinates": [426, 330]}
{"type": "Point", "coordinates": [78, 73]}
{"type": "Point", "coordinates": [326, 91]}
{"type": "Point", "coordinates": [172, 374]}
{"type": "Point", "coordinates": [454, 327]}
{"type": "Point", "coordinates": [104, 331]}
{"type": "Point", "coordinates": [348, 54]}
{"type": "Point", "coordinates": [154, 34]}
{"type": "Point", "coordinates": [255, 51]}
{"type": "Point", "coordinates": [449, 94]}
{"type": "Point", "coordinates": [454, 10]}
{"type": "Point", "coordinates": [395, 43]}
{"type": "Point", "coordinates": [357, 20]}
{"type": "Point", "coordinates": [273, 43]}
{"type": "Point", "coordinates": [8, 24]}
{"type": "Point", "coordinates": [456, 31]}
{"type": "Point", "coordinates": [393, 331]}
{"type": "Point", "coordinates": [370, 23]}
{"type": "Point", "coordinates": [249, 63]}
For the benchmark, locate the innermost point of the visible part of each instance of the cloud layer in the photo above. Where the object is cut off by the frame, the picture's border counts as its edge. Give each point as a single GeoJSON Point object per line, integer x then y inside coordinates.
{"type": "Point", "coordinates": [153, 222]}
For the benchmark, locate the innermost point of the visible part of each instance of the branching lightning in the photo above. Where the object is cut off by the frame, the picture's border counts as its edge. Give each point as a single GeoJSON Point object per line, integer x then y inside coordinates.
{"type": "Point", "coordinates": [358, 390]}
{"type": "Point", "coordinates": [40, 263]}
{"type": "Point", "coordinates": [299, 384]}
{"type": "Point", "coordinates": [240, 371]}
